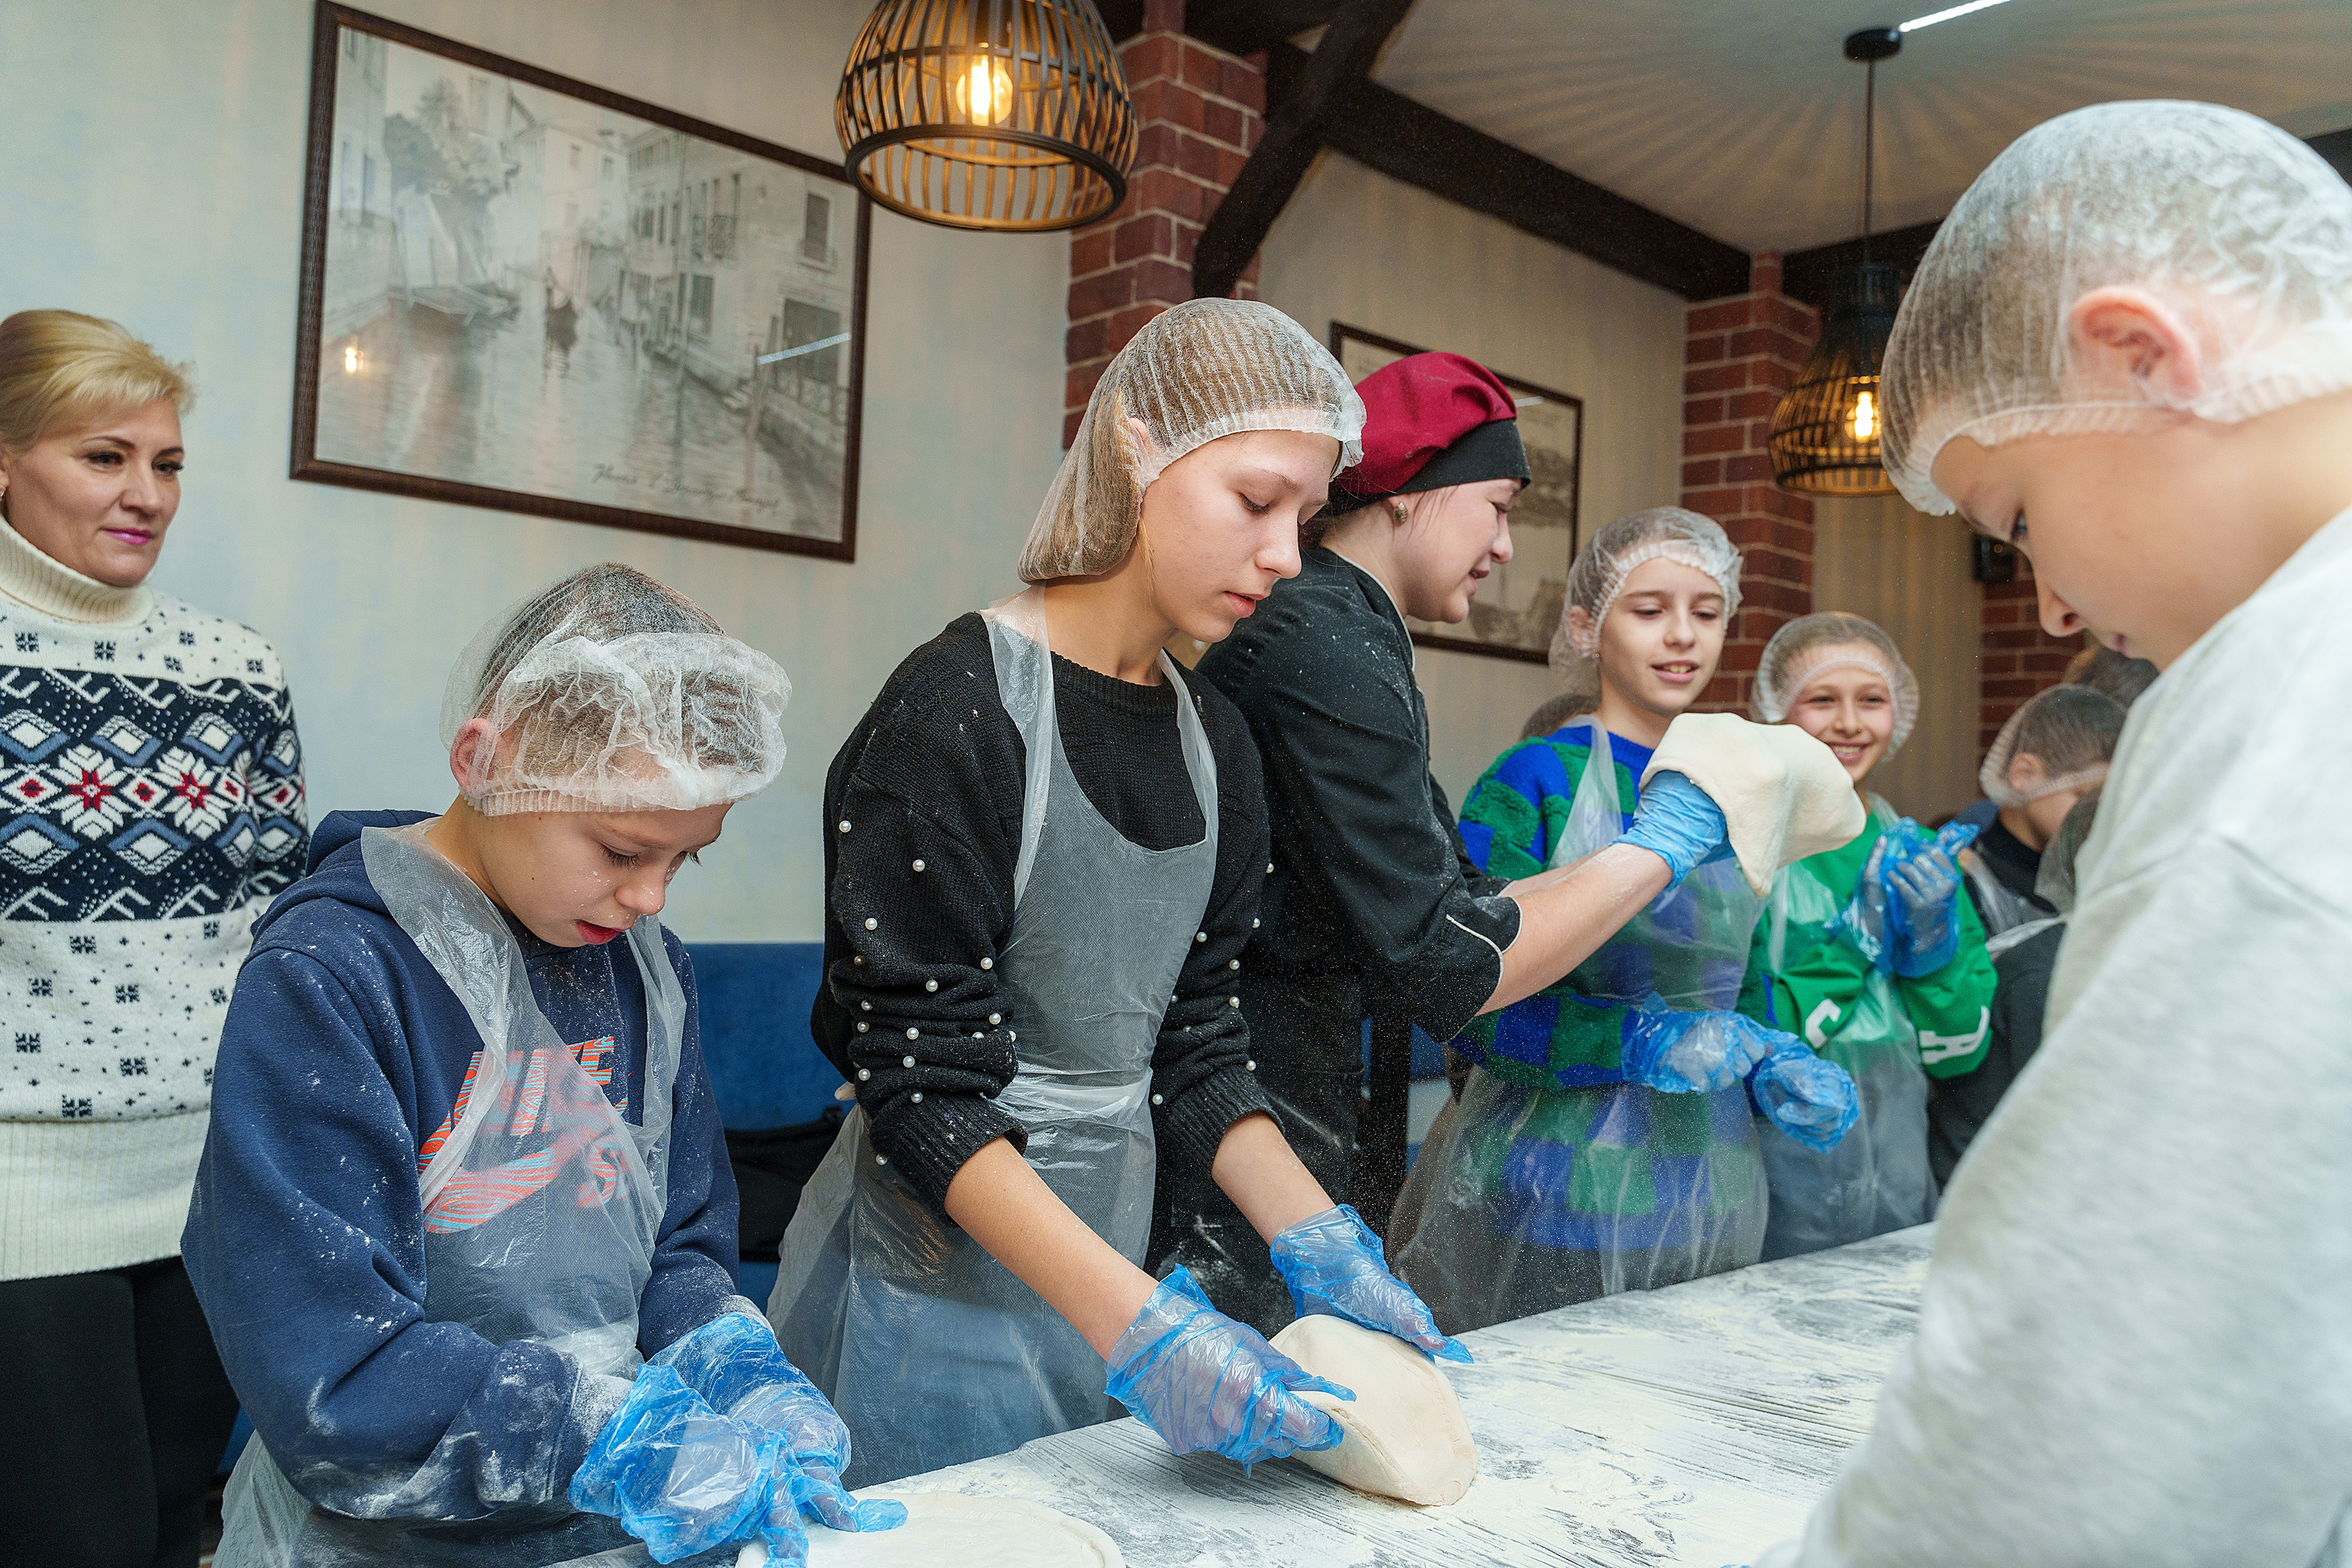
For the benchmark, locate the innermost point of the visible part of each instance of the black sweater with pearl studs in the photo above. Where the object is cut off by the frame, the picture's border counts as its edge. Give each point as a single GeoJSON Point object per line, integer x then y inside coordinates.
{"type": "Point", "coordinates": [932, 778]}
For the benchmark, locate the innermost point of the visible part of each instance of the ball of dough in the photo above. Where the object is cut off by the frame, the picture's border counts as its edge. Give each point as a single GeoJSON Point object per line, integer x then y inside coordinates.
{"type": "Point", "coordinates": [1784, 794]}
{"type": "Point", "coordinates": [1406, 1434]}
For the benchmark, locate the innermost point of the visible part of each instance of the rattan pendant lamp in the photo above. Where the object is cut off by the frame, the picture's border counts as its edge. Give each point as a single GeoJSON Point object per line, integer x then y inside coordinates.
{"type": "Point", "coordinates": [1009, 115]}
{"type": "Point", "coordinates": [1825, 431]}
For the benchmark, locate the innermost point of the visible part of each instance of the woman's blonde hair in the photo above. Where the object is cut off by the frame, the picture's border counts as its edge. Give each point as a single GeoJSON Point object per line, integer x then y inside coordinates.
{"type": "Point", "coordinates": [60, 368]}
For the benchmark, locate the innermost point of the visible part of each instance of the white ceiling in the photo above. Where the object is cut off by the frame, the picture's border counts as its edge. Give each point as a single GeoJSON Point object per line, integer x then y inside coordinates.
{"type": "Point", "coordinates": [1742, 118]}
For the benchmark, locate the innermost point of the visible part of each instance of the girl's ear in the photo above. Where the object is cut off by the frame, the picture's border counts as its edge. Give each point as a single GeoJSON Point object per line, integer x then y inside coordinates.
{"type": "Point", "coordinates": [2025, 771]}
{"type": "Point", "coordinates": [2128, 345]}
{"type": "Point", "coordinates": [1581, 634]}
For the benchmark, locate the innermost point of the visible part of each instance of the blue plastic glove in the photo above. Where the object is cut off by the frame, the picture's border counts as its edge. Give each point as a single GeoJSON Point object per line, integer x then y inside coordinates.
{"type": "Point", "coordinates": [1865, 921]}
{"type": "Point", "coordinates": [1202, 1381]}
{"type": "Point", "coordinates": [1923, 890]}
{"type": "Point", "coordinates": [1334, 1265]}
{"type": "Point", "coordinates": [735, 1364]}
{"type": "Point", "coordinates": [1690, 1053]}
{"type": "Point", "coordinates": [1809, 1100]}
{"type": "Point", "coordinates": [1679, 823]}
{"type": "Point", "coordinates": [683, 1478]}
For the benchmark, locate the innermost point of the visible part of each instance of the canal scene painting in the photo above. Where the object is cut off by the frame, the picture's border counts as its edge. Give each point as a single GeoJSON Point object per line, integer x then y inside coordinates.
{"type": "Point", "coordinates": [523, 292]}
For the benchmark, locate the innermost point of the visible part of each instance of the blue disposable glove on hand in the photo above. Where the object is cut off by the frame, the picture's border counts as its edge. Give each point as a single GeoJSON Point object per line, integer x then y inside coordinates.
{"type": "Point", "coordinates": [1811, 1100]}
{"type": "Point", "coordinates": [1864, 922]}
{"type": "Point", "coordinates": [683, 1478]}
{"type": "Point", "coordinates": [1689, 1053]}
{"type": "Point", "coordinates": [1334, 1265]}
{"type": "Point", "coordinates": [1923, 890]}
{"type": "Point", "coordinates": [1202, 1381]}
{"type": "Point", "coordinates": [1679, 823]}
{"type": "Point", "coordinates": [735, 1364]}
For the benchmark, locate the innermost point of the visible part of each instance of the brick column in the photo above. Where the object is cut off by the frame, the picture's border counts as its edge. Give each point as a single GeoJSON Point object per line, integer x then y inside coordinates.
{"type": "Point", "coordinates": [1199, 112]}
{"type": "Point", "coordinates": [1738, 356]}
{"type": "Point", "coordinates": [2015, 657]}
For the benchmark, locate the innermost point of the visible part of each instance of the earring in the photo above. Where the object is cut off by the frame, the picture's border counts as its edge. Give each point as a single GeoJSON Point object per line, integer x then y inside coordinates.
{"type": "Point", "coordinates": [1401, 514]}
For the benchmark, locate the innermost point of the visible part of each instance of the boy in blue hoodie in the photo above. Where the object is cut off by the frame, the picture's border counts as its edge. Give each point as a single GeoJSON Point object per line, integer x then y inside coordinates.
{"type": "Point", "coordinates": [465, 1170]}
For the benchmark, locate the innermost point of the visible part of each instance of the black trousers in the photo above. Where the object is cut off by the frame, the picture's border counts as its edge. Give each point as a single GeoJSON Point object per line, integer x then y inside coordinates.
{"type": "Point", "coordinates": [113, 1412]}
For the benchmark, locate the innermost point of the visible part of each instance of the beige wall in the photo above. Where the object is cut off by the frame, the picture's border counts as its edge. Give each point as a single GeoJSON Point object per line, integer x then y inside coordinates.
{"type": "Point", "coordinates": [1357, 247]}
{"type": "Point", "coordinates": [154, 174]}
{"type": "Point", "coordinates": [1909, 572]}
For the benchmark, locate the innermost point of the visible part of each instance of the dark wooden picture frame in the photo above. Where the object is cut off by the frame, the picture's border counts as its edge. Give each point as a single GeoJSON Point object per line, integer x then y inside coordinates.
{"type": "Point", "coordinates": [801, 404]}
{"type": "Point", "coordinates": [1547, 494]}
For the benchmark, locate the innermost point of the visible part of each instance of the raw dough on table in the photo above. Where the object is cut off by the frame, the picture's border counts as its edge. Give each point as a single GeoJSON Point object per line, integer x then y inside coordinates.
{"type": "Point", "coordinates": [948, 1529]}
{"type": "Point", "coordinates": [1784, 794]}
{"type": "Point", "coordinates": [1406, 1435]}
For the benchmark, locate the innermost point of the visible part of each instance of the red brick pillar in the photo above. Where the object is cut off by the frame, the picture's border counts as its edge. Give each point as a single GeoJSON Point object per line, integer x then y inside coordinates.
{"type": "Point", "coordinates": [2015, 657]}
{"type": "Point", "coordinates": [1198, 111]}
{"type": "Point", "coordinates": [1738, 356]}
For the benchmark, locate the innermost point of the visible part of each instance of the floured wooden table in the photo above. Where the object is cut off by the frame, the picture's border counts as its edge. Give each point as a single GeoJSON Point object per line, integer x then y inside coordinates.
{"type": "Point", "coordinates": [1694, 1425]}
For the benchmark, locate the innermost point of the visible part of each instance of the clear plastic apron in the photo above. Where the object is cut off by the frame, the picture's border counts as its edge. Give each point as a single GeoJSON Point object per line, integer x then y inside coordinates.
{"type": "Point", "coordinates": [931, 1348]}
{"type": "Point", "coordinates": [1876, 1179]}
{"type": "Point", "coordinates": [542, 1208]}
{"type": "Point", "coordinates": [1527, 1199]}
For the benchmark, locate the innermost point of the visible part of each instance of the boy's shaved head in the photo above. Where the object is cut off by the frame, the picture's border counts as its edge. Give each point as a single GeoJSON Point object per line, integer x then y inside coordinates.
{"type": "Point", "coordinates": [2235, 229]}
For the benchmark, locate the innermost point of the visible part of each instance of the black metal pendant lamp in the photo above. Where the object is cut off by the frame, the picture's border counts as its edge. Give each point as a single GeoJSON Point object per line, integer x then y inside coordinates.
{"type": "Point", "coordinates": [1825, 431]}
{"type": "Point", "coordinates": [1009, 115]}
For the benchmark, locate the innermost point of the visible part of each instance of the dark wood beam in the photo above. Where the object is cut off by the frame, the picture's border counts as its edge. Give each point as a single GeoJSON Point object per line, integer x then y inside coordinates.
{"type": "Point", "coordinates": [1245, 26]}
{"type": "Point", "coordinates": [1123, 17]}
{"type": "Point", "coordinates": [1410, 141]}
{"type": "Point", "coordinates": [1295, 128]}
{"type": "Point", "coordinates": [1810, 275]}
{"type": "Point", "coordinates": [2335, 146]}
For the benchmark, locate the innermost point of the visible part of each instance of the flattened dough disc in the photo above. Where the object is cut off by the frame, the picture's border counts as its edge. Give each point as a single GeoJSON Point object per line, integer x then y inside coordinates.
{"type": "Point", "coordinates": [1783, 794]}
{"type": "Point", "coordinates": [947, 1529]}
{"type": "Point", "coordinates": [1407, 1437]}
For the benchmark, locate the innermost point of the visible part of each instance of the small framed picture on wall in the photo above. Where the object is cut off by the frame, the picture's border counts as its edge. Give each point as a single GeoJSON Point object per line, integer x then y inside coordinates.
{"type": "Point", "coordinates": [526, 292]}
{"type": "Point", "coordinates": [1517, 608]}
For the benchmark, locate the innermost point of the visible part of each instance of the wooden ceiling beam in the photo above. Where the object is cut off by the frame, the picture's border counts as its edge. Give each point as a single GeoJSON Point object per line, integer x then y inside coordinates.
{"type": "Point", "coordinates": [1296, 126]}
{"type": "Point", "coordinates": [1413, 142]}
{"type": "Point", "coordinates": [1245, 26]}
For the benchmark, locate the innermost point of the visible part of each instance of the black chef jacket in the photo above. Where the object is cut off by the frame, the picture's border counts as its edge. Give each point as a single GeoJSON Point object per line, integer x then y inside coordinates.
{"type": "Point", "coordinates": [1371, 904]}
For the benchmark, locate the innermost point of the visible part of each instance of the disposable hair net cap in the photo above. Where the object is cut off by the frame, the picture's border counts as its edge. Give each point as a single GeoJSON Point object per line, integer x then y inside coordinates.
{"type": "Point", "coordinates": [2070, 729]}
{"type": "Point", "coordinates": [1197, 373]}
{"type": "Point", "coordinates": [2233, 226]}
{"type": "Point", "coordinates": [1660, 533]}
{"type": "Point", "coordinates": [608, 691]}
{"type": "Point", "coordinates": [1815, 644]}
{"type": "Point", "coordinates": [2054, 883]}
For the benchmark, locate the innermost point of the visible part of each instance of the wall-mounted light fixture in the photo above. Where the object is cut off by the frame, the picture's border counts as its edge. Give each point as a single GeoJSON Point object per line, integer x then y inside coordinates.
{"type": "Point", "coordinates": [1010, 115]}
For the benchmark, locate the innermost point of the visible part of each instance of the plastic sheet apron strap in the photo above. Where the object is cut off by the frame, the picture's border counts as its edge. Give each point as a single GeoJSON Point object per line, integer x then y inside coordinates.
{"type": "Point", "coordinates": [542, 1208]}
{"type": "Point", "coordinates": [1527, 1199]}
{"type": "Point", "coordinates": [932, 1351]}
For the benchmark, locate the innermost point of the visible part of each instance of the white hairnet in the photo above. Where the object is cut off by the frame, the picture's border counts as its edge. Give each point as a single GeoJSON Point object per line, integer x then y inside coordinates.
{"type": "Point", "coordinates": [2071, 728]}
{"type": "Point", "coordinates": [2053, 883]}
{"type": "Point", "coordinates": [1200, 370]}
{"type": "Point", "coordinates": [2239, 229]}
{"type": "Point", "coordinates": [1814, 645]}
{"type": "Point", "coordinates": [1658, 533]}
{"type": "Point", "coordinates": [611, 692]}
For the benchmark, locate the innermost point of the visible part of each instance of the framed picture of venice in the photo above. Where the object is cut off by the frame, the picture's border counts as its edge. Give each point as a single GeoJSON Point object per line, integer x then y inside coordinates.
{"type": "Point", "coordinates": [525, 292]}
{"type": "Point", "coordinates": [1516, 613]}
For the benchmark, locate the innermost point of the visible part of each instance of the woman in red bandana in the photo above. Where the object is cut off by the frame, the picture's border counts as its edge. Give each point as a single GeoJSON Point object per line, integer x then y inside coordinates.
{"type": "Point", "coordinates": [1370, 904]}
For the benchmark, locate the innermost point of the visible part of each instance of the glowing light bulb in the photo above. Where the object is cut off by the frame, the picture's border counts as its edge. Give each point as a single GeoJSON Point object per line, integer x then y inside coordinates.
{"type": "Point", "coordinates": [352, 359]}
{"type": "Point", "coordinates": [984, 92]}
{"type": "Point", "coordinates": [1865, 417]}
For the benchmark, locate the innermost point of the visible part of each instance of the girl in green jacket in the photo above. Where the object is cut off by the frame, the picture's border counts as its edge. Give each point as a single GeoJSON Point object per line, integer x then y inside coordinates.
{"type": "Point", "coordinates": [1892, 1007]}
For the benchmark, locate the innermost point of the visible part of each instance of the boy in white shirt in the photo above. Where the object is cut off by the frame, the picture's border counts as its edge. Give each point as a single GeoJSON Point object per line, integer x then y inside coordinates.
{"type": "Point", "coordinates": [2128, 352]}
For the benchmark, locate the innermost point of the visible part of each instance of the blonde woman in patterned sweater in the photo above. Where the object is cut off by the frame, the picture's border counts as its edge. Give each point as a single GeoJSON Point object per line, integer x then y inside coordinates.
{"type": "Point", "coordinates": [150, 804]}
